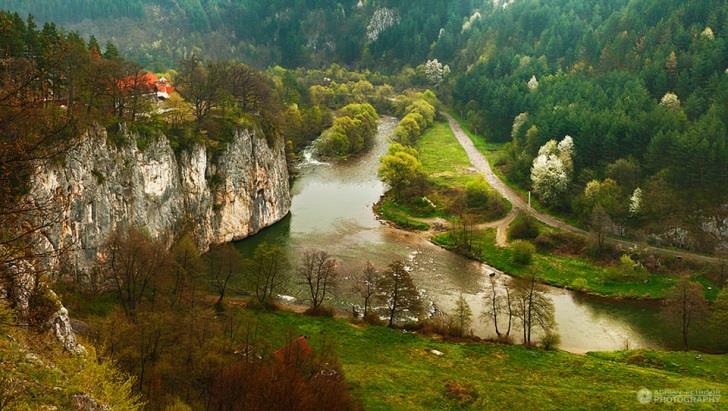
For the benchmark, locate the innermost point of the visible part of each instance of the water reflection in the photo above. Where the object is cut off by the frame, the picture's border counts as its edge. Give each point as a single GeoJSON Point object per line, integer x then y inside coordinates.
{"type": "Point", "coordinates": [332, 210]}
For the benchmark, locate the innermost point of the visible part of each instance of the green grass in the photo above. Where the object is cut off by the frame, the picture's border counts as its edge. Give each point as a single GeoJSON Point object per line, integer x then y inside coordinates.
{"type": "Point", "coordinates": [706, 366]}
{"type": "Point", "coordinates": [399, 215]}
{"type": "Point", "coordinates": [449, 170]}
{"type": "Point", "coordinates": [392, 370]}
{"type": "Point", "coordinates": [561, 271]}
{"type": "Point", "coordinates": [443, 159]}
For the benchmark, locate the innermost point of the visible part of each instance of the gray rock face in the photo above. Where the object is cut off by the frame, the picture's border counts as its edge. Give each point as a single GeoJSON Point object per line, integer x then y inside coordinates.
{"type": "Point", "coordinates": [99, 186]}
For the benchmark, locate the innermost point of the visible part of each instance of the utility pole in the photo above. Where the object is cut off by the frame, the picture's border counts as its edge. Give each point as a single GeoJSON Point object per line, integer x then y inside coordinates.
{"type": "Point", "coordinates": [529, 199]}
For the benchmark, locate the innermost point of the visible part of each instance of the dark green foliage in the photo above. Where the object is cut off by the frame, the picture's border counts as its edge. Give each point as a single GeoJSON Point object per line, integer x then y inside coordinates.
{"type": "Point", "coordinates": [524, 227]}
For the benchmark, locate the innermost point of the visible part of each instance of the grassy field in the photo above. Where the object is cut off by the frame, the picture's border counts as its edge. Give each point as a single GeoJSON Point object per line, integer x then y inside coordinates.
{"type": "Point", "coordinates": [561, 271]}
{"type": "Point", "coordinates": [393, 370]}
{"type": "Point", "coordinates": [443, 160]}
{"type": "Point", "coordinates": [449, 171]}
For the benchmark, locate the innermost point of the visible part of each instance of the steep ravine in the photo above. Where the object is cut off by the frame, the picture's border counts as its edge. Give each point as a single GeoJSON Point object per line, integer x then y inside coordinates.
{"type": "Point", "coordinates": [222, 198]}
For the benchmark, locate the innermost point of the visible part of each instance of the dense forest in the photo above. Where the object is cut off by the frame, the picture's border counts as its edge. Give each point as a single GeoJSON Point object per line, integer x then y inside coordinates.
{"type": "Point", "coordinates": [640, 86]}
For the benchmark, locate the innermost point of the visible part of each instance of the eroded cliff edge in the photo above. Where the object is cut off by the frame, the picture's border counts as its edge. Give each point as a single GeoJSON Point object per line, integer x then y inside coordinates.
{"type": "Point", "coordinates": [228, 196]}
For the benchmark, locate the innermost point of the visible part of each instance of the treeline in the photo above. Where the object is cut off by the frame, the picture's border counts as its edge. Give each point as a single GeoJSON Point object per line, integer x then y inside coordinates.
{"type": "Point", "coordinates": [352, 132]}
{"type": "Point", "coordinates": [158, 33]}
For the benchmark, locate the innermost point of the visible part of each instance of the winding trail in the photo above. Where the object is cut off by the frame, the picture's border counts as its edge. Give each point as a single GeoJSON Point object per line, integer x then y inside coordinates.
{"type": "Point", "coordinates": [481, 164]}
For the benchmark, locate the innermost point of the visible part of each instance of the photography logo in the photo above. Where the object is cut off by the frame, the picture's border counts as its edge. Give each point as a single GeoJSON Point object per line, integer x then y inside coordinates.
{"type": "Point", "coordinates": [644, 396]}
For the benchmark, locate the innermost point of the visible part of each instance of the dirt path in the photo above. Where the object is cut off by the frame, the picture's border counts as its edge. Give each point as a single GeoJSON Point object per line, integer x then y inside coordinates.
{"type": "Point", "coordinates": [481, 164]}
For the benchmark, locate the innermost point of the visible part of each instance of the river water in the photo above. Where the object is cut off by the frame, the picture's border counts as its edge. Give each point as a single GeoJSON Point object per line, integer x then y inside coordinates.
{"type": "Point", "coordinates": [332, 210]}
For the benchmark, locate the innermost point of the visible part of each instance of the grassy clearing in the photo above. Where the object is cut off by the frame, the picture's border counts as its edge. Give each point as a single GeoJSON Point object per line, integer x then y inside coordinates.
{"type": "Point", "coordinates": [443, 160]}
{"type": "Point", "coordinates": [391, 370]}
{"type": "Point", "coordinates": [562, 271]}
{"type": "Point", "coordinates": [399, 215]}
{"type": "Point", "coordinates": [449, 172]}
{"type": "Point", "coordinates": [706, 366]}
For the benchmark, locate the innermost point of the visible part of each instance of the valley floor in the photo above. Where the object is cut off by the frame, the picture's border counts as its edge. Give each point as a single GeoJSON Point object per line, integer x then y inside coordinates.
{"type": "Point", "coordinates": [397, 370]}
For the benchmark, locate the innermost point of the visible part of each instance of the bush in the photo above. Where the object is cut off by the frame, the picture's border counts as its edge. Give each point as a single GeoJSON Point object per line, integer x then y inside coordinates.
{"type": "Point", "coordinates": [522, 252]}
{"type": "Point", "coordinates": [550, 341]}
{"type": "Point", "coordinates": [524, 227]}
{"type": "Point", "coordinates": [579, 284]}
{"type": "Point", "coordinates": [477, 195]}
{"type": "Point", "coordinates": [628, 271]}
{"type": "Point", "coordinates": [320, 312]}
{"type": "Point", "coordinates": [42, 304]}
{"type": "Point", "coordinates": [463, 394]}
{"type": "Point", "coordinates": [563, 242]}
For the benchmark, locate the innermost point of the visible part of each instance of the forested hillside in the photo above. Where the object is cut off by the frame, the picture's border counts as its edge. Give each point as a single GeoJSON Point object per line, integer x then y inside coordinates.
{"type": "Point", "coordinates": [641, 86]}
{"type": "Point", "coordinates": [377, 33]}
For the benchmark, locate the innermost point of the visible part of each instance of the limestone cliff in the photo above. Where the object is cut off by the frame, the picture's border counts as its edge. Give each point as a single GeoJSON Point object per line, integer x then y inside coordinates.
{"type": "Point", "coordinates": [99, 186]}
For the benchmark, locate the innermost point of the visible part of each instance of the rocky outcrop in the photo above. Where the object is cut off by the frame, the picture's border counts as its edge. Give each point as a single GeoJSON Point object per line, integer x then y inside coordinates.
{"type": "Point", "coordinates": [223, 198]}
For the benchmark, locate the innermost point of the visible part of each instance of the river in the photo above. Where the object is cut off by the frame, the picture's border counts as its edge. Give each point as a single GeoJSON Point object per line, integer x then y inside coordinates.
{"type": "Point", "coordinates": [332, 210]}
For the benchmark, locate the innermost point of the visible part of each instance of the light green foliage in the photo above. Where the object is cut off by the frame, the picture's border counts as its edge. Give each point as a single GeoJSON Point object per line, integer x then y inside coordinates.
{"type": "Point", "coordinates": [522, 252]}
{"type": "Point", "coordinates": [351, 132]}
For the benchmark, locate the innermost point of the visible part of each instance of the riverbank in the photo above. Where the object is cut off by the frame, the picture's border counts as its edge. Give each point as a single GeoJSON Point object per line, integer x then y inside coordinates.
{"type": "Point", "coordinates": [451, 180]}
{"type": "Point", "coordinates": [392, 369]}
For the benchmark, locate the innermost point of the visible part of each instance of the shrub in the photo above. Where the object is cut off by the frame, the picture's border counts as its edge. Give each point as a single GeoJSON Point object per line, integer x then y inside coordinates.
{"type": "Point", "coordinates": [579, 284]}
{"type": "Point", "coordinates": [320, 312]}
{"type": "Point", "coordinates": [524, 227]}
{"type": "Point", "coordinates": [563, 242]}
{"type": "Point", "coordinates": [477, 195]}
{"type": "Point", "coordinates": [463, 394]}
{"type": "Point", "coordinates": [628, 271]}
{"type": "Point", "coordinates": [522, 252]}
{"type": "Point", "coordinates": [550, 341]}
{"type": "Point", "coordinates": [42, 305]}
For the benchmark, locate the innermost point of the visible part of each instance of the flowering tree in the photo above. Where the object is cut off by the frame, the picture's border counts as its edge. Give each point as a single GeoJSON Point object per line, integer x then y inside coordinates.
{"type": "Point", "coordinates": [671, 101]}
{"type": "Point", "coordinates": [436, 71]}
{"type": "Point", "coordinates": [552, 169]}
{"type": "Point", "coordinates": [635, 202]}
{"type": "Point", "coordinates": [533, 83]}
{"type": "Point", "coordinates": [382, 19]}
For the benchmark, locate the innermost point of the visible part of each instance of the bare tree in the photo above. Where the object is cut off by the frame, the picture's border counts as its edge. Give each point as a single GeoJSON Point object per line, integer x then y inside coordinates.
{"type": "Point", "coordinates": [133, 263]}
{"type": "Point", "coordinates": [365, 285]}
{"type": "Point", "coordinates": [532, 306]}
{"type": "Point", "coordinates": [497, 302]}
{"type": "Point", "coordinates": [398, 292]}
{"type": "Point", "coordinates": [268, 272]}
{"type": "Point", "coordinates": [685, 307]}
{"type": "Point", "coordinates": [223, 264]}
{"type": "Point", "coordinates": [319, 274]}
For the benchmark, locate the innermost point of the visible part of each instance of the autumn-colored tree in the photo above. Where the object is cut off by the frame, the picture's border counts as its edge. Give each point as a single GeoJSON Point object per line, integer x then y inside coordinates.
{"type": "Point", "coordinates": [685, 307]}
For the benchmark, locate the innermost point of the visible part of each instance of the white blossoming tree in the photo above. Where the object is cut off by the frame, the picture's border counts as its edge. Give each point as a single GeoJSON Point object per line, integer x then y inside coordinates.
{"type": "Point", "coordinates": [708, 33]}
{"type": "Point", "coordinates": [670, 101]}
{"type": "Point", "coordinates": [436, 71]}
{"type": "Point", "coordinates": [382, 19]}
{"type": "Point", "coordinates": [533, 83]}
{"type": "Point", "coordinates": [635, 202]}
{"type": "Point", "coordinates": [552, 169]}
